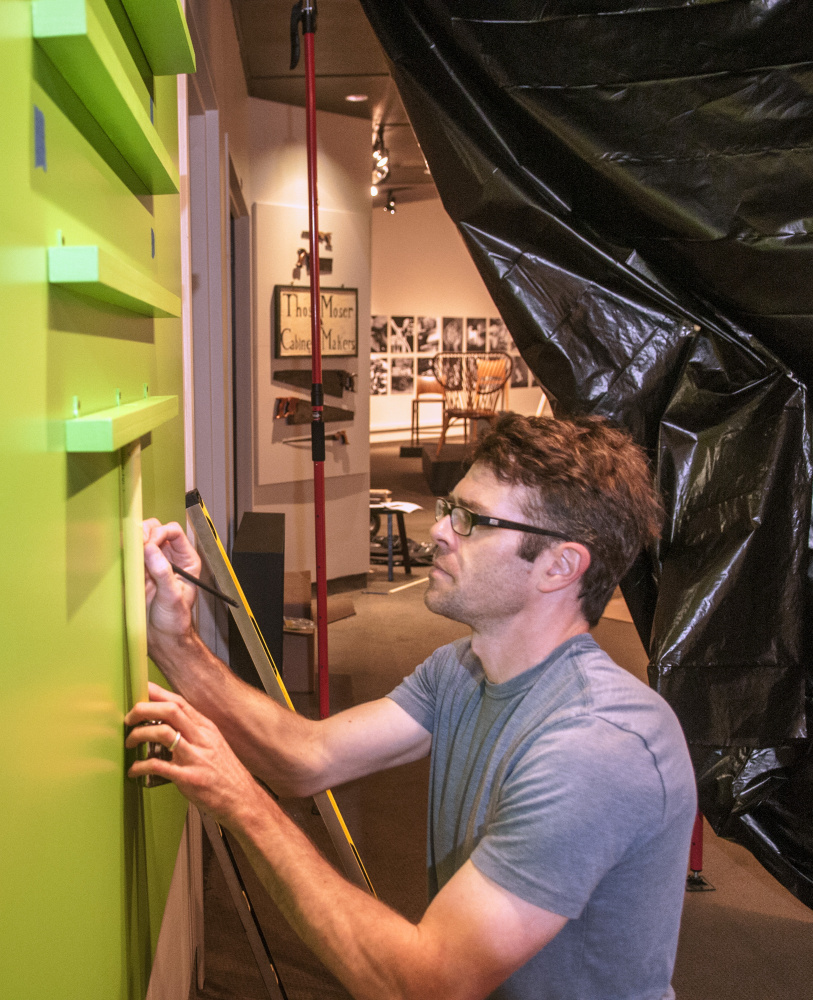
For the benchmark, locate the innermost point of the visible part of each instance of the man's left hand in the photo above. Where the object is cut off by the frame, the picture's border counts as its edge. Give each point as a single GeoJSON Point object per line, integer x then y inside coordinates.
{"type": "Point", "coordinates": [203, 766]}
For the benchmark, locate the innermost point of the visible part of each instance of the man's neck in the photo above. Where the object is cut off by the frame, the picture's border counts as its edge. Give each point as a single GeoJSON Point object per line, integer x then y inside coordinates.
{"type": "Point", "coordinates": [508, 648]}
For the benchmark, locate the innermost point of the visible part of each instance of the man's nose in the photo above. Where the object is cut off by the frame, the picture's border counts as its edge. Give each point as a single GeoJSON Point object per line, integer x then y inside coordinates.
{"type": "Point", "coordinates": [441, 531]}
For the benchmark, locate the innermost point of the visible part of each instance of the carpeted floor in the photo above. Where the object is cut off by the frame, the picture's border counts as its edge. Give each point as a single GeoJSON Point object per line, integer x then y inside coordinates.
{"type": "Point", "coordinates": [749, 939]}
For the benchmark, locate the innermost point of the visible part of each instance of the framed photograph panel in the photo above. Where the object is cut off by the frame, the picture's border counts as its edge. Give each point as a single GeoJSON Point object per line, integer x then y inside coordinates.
{"type": "Point", "coordinates": [378, 335]}
{"type": "Point", "coordinates": [402, 374]}
{"type": "Point", "coordinates": [476, 335]}
{"type": "Point", "coordinates": [499, 339]}
{"type": "Point", "coordinates": [427, 334]}
{"type": "Point", "coordinates": [519, 374]}
{"type": "Point", "coordinates": [379, 375]}
{"type": "Point", "coordinates": [402, 335]}
{"type": "Point", "coordinates": [452, 333]}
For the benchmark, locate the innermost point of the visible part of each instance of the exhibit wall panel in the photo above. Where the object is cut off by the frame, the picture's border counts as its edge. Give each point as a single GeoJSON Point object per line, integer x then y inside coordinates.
{"type": "Point", "coordinates": [86, 855]}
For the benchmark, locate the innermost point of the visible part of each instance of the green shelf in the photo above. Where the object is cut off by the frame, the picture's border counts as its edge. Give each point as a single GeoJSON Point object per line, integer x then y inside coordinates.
{"type": "Point", "coordinates": [109, 430]}
{"type": "Point", "coordinates": [92, 271]}
{"type": "Point", "coordinates": [90, 54]}
{"type": "Point", "coordinates": [163, 33]}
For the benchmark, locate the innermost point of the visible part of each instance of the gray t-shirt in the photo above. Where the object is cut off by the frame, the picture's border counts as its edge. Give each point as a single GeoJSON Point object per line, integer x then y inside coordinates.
{"type": "Point", "coordinates": [571, 787]}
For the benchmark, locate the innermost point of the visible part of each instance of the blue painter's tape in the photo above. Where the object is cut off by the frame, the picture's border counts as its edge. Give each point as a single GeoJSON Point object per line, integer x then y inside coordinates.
{"type": "Point", "coordinates": [152, 240]}
{"type": "Point", "coordinates": [152, 111]}
{"type": "Point", "coordinates": [39, 140]}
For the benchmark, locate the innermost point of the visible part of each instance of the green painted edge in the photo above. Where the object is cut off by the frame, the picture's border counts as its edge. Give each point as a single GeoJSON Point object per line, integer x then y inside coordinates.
{"type": "Point", "coordinates": [109, 430]}
{"type": "Point", "coordinates": [74, 40]}
{"type": "Point", "coordinates": [92, 271]}
{"type": "Point", "coordinates": [164, 35]}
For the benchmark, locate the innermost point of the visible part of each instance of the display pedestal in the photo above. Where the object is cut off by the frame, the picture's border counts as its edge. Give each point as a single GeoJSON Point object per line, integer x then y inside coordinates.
{"type": "Point", "coordinates": [445, 471]}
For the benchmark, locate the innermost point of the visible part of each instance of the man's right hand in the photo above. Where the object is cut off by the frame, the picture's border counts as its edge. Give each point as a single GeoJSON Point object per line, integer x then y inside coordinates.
{"type": "Point", "coordinates": [169, 598]}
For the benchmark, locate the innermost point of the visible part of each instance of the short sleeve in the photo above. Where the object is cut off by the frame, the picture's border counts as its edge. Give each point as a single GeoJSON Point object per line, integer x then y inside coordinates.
{"type": "Point", "coordinates": [568, 812]}
{"type": "Point", "coordinates": [417, 693]}
{"type": "Point", "coordinates": [422, 692]}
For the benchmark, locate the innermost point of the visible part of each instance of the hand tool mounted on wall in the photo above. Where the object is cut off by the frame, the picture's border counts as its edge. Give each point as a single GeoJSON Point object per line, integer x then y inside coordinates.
{"type": "Point", "coordinates": [294, 410]}
{"type": "Point", "coordinates": [304, 12]}
{"type": "Point", "coordinates": [340, 436]}
{"type": "Point", "coordinates": [336, 381]}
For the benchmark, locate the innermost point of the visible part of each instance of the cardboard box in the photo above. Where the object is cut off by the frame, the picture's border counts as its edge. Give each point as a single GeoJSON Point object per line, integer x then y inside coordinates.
{"type": "Point", "coordinates": [299, 661]}
{"type": "Point", "coordinates": [296, 600]}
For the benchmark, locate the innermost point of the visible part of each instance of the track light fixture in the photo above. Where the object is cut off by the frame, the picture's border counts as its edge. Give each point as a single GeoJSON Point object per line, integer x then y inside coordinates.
{"type": "Point", "coordinates": [380, 174]}
{"type": "Point", "coordinates": [381, 154]}
{"type": "Point", "coordinates": [381, 157]}
{"type": "Point", "coordinates": [390, 206]}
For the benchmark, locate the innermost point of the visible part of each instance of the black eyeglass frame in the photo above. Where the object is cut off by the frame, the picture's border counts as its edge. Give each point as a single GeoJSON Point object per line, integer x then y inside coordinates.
{"type": "Point", "coordinates": [444, 508]}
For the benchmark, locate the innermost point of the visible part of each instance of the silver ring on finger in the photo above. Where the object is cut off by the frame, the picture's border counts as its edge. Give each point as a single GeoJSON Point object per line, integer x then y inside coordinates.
{"type": "Point", "coordinates": [174, 744]}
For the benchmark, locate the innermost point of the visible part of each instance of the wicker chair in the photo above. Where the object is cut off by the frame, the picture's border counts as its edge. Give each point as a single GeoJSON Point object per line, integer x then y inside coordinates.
{"type": "Point", "coordinates": [472, 384]}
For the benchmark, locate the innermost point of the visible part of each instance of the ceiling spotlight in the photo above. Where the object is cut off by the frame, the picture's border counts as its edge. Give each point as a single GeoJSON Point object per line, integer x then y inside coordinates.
{"type": "Point", "coordinates": [373, 190]}
{"type": "Point", "coordinates": [381, 154]}
{"type": "Point", "coordinates": [390, 206]}
{"type": "Point", "coordinates": [355, 98]}
{"type": "Point", "coordinates": [380, 173]}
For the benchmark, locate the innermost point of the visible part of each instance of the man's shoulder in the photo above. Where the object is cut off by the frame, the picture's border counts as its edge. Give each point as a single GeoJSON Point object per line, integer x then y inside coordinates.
{"type": "Point", "coordinates": [457, 653]}
{"type": "Point", "coordinates": [454, 663]}
{"type": "Point", "coordinates": [601, 687]}
{"type": "Point", "coordinates": [630, 724]}
{"type": "Point", "coordinates": [595, 707]}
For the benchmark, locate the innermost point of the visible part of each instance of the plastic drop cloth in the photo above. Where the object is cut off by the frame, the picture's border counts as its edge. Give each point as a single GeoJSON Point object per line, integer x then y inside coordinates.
{"type": "Point", "coordinates": [633, 183]}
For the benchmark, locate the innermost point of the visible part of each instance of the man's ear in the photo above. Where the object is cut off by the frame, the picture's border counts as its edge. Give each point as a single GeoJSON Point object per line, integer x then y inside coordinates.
{"type": "Point", "coordinates": [561, 565]}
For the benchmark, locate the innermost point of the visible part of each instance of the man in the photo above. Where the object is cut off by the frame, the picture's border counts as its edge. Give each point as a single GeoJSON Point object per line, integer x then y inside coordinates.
{"type": "Point", "coordinates": [561, 794]}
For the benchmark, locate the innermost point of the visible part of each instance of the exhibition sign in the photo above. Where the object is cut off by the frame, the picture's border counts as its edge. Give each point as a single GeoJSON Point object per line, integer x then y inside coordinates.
{"type": "Point", "coordinates": [292, 322]}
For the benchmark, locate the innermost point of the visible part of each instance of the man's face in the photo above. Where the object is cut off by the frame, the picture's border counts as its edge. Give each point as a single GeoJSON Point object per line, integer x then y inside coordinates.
{"type": "Point", "coordinates": [480, 579]}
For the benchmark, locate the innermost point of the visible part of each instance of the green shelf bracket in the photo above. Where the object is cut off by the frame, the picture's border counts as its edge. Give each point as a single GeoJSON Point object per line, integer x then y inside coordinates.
{"type": "Point", "coordinates": [109, 430]}
{"type": "Point", "coordinates": [92, 271]}
{"type": "Point", "coordinates": [91, 56]}
{"type": "Point", "coordinates": [164, 35]}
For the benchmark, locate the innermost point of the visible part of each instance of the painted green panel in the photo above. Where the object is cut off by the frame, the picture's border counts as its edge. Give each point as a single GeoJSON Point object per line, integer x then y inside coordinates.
{"type": "Point", "coordinates": [164, 35]}
{"type": "Point", "coordinates": [86, 856]}
{"type": "Point", "coordinates": [94, 272]}
{"type": "Point", "coordinates": [79, 40]}
{"type": "Point", "coordinates": [109, 430]}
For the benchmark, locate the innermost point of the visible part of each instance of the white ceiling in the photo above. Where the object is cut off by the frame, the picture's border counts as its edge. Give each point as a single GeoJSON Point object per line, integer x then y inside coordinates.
{"type": "Point", "coordinates": [348, 60]}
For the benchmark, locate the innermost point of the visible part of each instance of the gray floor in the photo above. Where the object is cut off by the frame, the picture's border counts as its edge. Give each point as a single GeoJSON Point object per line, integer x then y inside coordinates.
{"type": "Point", "coordinates": [748, 939]}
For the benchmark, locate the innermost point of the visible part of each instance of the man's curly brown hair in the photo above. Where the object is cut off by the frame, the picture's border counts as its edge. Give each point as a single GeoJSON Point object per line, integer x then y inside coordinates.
{"type": "Point", "coordinates": [586, 479]}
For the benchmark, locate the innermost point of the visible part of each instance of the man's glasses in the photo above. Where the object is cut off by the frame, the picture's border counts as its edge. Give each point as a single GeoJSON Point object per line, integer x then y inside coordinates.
{"type": "Point", "coordinates": [464, 520]}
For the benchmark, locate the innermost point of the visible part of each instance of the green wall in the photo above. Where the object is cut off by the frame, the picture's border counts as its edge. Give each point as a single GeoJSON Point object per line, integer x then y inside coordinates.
{"type": "Point", "coordinates": [86, 856]}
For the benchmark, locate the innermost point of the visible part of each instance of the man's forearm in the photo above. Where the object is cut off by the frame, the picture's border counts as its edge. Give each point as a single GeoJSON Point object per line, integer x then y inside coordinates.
{"type": "Point", "coordinates": [273, 742]}
{"type": "Point", "coordinates": [372, 950]}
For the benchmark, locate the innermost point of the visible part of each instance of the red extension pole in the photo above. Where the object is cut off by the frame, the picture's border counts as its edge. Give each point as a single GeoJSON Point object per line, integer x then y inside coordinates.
{"type": "Point", "coordinates": [305, 11]}
{"type": "Point", "coordinates": [696, 850]}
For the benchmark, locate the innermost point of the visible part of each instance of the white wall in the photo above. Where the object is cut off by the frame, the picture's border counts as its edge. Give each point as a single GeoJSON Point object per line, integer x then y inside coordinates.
{"type": "Point", "coordinates": [421, 267]}
{"type": "Point", "coordinates": [220, 70]}
{"type": "Point", "coordinates": [283, 472]}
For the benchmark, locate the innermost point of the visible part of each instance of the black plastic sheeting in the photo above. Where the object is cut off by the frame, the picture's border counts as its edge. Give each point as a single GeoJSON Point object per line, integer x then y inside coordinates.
{"type": "Point", "coordinates": [633, 183]}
